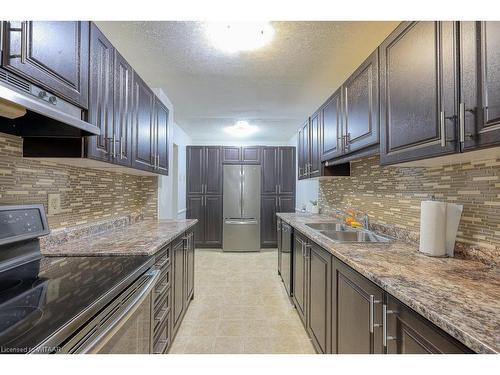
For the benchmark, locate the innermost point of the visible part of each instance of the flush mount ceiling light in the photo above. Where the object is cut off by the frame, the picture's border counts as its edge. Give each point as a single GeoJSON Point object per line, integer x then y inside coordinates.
{"type": "Point", "coordinates": [241, 129]}
{"type": "Point", "coordinates": [239, 36]}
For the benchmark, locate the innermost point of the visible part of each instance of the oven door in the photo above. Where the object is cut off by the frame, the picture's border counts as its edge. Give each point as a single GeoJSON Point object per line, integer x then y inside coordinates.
{"type": "Point", "coordinates": [125, 326]}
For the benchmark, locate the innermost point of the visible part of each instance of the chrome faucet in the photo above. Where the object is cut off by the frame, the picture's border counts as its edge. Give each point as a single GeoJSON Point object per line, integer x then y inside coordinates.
{"type": "Point", "coordinates": [366, 222]}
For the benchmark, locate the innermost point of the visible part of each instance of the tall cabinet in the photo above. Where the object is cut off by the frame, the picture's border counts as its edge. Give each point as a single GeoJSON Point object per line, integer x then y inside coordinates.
{"type": "Point", "coordinates": [204, 193]}
{"type": "Point", "coordinates": [277, 190]}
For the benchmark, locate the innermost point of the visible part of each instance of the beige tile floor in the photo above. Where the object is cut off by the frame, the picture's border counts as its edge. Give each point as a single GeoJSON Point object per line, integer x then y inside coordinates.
{"type": "Point", "coordinates": [240, 306]}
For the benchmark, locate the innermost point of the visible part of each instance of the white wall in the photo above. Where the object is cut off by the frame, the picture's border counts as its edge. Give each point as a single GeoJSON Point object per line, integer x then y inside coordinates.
{"type": "Point", "coordinates": [166, 206]}
{"type": "Point", "coordinates": [306, 190]}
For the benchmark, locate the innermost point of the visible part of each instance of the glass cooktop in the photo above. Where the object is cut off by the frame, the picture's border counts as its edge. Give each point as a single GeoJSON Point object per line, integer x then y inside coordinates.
{"type": "Point", "coordinates": [44, 301]}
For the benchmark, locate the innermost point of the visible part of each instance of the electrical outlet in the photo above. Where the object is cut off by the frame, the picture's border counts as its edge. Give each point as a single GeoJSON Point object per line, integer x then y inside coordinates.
{"type": "Point", "coordinates": [54, 204]}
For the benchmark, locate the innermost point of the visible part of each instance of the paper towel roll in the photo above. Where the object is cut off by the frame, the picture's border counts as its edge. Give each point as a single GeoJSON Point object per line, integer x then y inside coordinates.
{"type": "Point", "coordinates": [433, 228]}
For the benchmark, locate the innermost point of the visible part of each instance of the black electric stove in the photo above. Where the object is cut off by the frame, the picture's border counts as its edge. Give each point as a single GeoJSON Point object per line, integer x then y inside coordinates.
{"type": "Point", "coordinates": [43, 300]}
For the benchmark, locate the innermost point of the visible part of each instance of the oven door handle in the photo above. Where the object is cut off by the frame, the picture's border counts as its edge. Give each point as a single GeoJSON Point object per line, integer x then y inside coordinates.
{"type": "Point", "coordinates": [121, 316]}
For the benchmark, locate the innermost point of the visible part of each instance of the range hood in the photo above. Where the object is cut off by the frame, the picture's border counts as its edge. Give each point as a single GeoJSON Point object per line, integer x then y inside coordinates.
{"type": "Point", "coordinates": [29, 111]}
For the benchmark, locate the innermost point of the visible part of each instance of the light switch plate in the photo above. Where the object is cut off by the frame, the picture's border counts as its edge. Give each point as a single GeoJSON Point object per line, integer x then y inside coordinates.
{"type": "Point", "coordinates": [54, 204]}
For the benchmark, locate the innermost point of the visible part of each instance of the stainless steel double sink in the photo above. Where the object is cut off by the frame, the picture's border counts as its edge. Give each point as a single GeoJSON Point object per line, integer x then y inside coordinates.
{"type": "Point", "coordinates": [341, 233]}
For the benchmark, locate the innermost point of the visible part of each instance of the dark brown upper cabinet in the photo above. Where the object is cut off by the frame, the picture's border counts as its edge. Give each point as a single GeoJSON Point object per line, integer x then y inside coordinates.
{"type": "Point", "coordinates": [331, 127]}
{"type": "Point", "coordinates": [269, 171]}
{"type": "Point", "coordinates": [479, 107]}
{"type": "Point", "coordinates": [361, 106]}
{"type": "Point", "coordinates": [418, 92]}
{"type": "Point", "coordinates": [123, 109]}
{"type": "Point", "coordinates": [314, 165]}
{"type": "Point", "coordinates": [54, 55]}
{"type": "Point", "coordinates": [161, 137]}
{"type": "Point", "coordinates": [143, 155]}
{"type": "Point", "coordinates": [204, 170]}
{"type": "Point", "coordinates": [286, 170]}
{"type": "Point", "coordinates": [231, 154]}
{"type": "Point", "coordinates": [278, 170]}
{"type": "Point", "coordinates": [303, 150]}
{"type": "Point", "coordinates": [241, 155]}
{"type": "Point", "coordinates": [101, 96]}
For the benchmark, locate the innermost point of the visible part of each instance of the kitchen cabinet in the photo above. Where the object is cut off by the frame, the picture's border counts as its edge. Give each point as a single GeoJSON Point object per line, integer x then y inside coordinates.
{"type": "Point", "coordinates": [162, 305]}
{"type": "Point", "coordinates": [178, 266]}
{"type": "Point", "coordinates": [361, 106]}
{"type": "Point", "coordinates": [183, 277]}
{"type": "Point", "coordinates": [314, 165]}
{"type": "Point", "coordinates": [278, 170]}
{"type": "Point", "coordinates": [241, 155]}
{"type": "Point", "coordinates": [160, 153]}
{"type": "Point", "coordinates": [300, 275]}
{"type": "Point", "coordinates": [417, 92]}
{"type": "Point", "coordinates": [123, 108]}
{"type": "Point", "coordinates": [356, 313]}
{"type": "Point", "coordinates": [319, 297]}
{"type": "Point", "coordinates": [268, 224]}
{"type": "Point", "coordinates": [143, 152]}
{"type": "Point", "coordinates": [208, 210]}
{"type": "Point", "coordinates": [303, 151]}
{"type": "Point", "coordinates": [101, 97]}
{"type": "Point", "coordinates": [269, 206]}
{"type": "Point", "coordinates": [204, 170]}
{"type": "Point", "coordinates": [409, 333]}
{"type": "Point", "coordinates": [331, 127]}
{"type": "Point", "coordinates": [479, 107]}
{"type": "Point", "coordinates": [51, 54]}
{"type": "Point", "coordinates": [204, 193]}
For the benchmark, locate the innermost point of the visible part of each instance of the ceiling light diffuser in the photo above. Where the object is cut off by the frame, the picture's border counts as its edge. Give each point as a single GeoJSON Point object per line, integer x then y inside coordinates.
{"type": "Point", "coordinates": [241, 129]}
{"type": "Point", "coordinates": [239, 36]}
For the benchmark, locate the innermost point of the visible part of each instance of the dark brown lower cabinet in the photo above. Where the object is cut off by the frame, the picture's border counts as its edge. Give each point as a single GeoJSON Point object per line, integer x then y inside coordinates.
{"type": "Point", "coordinates": [208, 210]}
{"type": "Point", "coordinates": [410, 333]}
{"type": "Point", "coordinates": [178, 265]}
{"type": "Point", "coordinates": [345, 313]}
{"type": "Point", "coordinates": [300, 270]}
{"type": "Point", "coordinates": [357, 313]}
{"type": "Point", "coordinates": [182, 278]}
{"type": "Point", "coordinates": [269, 206]}
{"type": "Point", "coordinates": [319, 297]}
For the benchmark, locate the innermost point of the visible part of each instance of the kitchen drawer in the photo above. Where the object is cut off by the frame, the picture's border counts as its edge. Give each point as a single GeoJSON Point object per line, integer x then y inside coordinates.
{"type": "Point", "coordinates": [161, 340]}
{"type": "Point", "coordinates": [162, 310]}
{"type": "Point", "coordinates": [162, 286]}
{"type": "Point", "coordinates": [162, 258]}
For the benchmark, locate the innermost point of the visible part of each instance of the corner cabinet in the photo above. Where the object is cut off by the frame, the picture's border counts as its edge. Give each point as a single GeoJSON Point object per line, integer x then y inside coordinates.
{"type": "Point", "coordinates": [418, 92]}
{"type": "Point", "coordinates": [52, 54]}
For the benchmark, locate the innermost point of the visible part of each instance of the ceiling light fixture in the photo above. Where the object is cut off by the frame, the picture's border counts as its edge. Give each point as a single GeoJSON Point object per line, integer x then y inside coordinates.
{"type": "Point", "coordinates": [241, 129]}
{"type": "Point", "coordinates": [239, 36]}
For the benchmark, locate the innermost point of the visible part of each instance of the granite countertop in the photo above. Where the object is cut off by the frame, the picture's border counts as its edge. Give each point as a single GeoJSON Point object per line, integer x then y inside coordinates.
{"type": "Point", "coordinates": [460, 296]}
{"type": "Point", "coordinates": [142, 238]}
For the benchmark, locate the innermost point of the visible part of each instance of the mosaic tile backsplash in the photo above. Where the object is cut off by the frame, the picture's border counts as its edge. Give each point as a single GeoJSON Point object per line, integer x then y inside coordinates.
{"type": "Point", "coordinates": [391, 196]}
{"type": "Point", "coordinates": [87, 194]}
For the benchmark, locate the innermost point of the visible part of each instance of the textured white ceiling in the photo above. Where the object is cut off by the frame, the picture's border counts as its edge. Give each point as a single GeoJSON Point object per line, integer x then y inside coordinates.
{"type": "Point", "coordinates": [275, 87]}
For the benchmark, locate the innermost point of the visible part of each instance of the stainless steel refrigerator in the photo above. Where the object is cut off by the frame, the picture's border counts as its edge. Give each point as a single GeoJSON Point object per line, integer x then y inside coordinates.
{"type": "Point", "coordinates": [241, 208]}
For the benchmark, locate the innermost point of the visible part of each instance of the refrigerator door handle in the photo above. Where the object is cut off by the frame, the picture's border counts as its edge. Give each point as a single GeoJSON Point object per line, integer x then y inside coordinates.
{"type": "Point", "coordinates": [242, 190]}
{"type": "Point", "coordinates": [241, 222]}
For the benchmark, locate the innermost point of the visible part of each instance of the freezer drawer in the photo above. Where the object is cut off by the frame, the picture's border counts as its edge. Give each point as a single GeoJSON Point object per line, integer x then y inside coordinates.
{"type": "Point", "coordinates": [241, 235]}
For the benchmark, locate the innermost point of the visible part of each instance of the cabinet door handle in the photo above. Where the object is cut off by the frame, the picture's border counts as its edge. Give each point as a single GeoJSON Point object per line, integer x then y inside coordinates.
{"type": "Point", "coordinates": [385, 312]}
{"type": "Point", "coordinates": [443, 129]}
{"type": "Point", "coordinates": [373, 301]}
